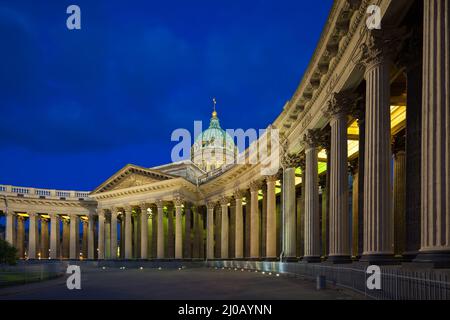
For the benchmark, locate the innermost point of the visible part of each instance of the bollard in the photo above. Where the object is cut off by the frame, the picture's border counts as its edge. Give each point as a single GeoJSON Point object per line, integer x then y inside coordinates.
{"type": "Point", "coordinates": [321, 283]}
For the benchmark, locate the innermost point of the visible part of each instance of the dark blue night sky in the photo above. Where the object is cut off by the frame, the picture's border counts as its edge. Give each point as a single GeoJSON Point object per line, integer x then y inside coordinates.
{"type": "Point", "coordinates": [76, 106]}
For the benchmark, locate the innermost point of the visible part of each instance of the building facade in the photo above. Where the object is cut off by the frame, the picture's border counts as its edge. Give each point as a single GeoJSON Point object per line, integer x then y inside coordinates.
{"type": "Point", "coordinates": [365, 167]}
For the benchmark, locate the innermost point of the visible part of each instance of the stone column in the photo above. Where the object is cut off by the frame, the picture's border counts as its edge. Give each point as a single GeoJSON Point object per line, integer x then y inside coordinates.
{"type": "Point", "coordinates": [289, 163]}
{"type": "Point", "coordinates": [217, 231]}
{"type": "Point", "coordinates": [412, 61]}
{"type": "Point", "coordinates": [90, 235]}
{"type": "Point", "coordinates": [10, 226]}
{"type": "Point", "coordinates": [65, 247]}
{"type": "Point", "coordinates": [435, 191]}
{"type": "Point", "coordinates": [399, 194]}
{"type": "Point", "coordinates": [144, 230]}
{"type": "Point", "coordinates": [45, 246]}
{"type": "Point", "coordinates": [170, 232]}
{"type": "Point", "coordinates": [54, 235]}
{"type": "Point", "coordinates": [353, 168]}
{"type": "Point", "coordinates": [160, 232]}
{"type": "Point", "coordinates": [263, 218]}
{"type": "Point", "coordinates": [178, 202]}
{"type": "Point", "coordinates": [339, 242]}
{"type": "Point", "coordinates": [210, 231]}
{"type": "Point", "coordinates": [197, 232]}
{"type": "Point", "coordinates": [187, 251]}
{"type": "Point", "coordinates": [113, 242]}
{"type": "Point", "coordinates": [378, 218]}
{"type": "Point", "coordinates": [271, 222]}
{"type": "Point", "coordinates": [32, 235]}
{"type": "Point", "coordinates": [301, 212]}
{"type": "Point", "coordinates": [239, 233]}
{"type": "Point", "coordinates": [232, 230]}
{"type": "Point", "coordinates": [108, 237]}
{"type": "Point", "coordinates": [224, 233]}
{"type": "Point", "coordinates": [84, 239]}
{"type": "Point", "coordinates": [73, 254]}
{"type": "Point", "coordinates": [20, 237]}
{"type": "Point", "coordinates": [128, 210]}
{"type": "Point", "coordinates": [254, 220]}
{"type": "Point", "coordinates": [358, 199]}
{"type": "Point", "coordinates": [312, 213]}
{"type": "Point", "coordinates": [101, 234]}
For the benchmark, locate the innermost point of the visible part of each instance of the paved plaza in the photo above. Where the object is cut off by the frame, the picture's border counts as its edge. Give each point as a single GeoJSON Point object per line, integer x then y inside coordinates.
{"type": "Point", "coordinates": [174, 284]}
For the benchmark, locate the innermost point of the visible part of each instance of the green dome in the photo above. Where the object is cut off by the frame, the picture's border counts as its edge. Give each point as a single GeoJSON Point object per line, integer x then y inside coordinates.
{"type": "Point", "coordinates": [213, 146]}
{"type": "Point", "coordinates": [214, 136]}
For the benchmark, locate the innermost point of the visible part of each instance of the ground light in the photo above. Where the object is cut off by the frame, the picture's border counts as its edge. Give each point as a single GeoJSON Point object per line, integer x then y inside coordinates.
{"type": "Point", "coordinates": [141, 268]}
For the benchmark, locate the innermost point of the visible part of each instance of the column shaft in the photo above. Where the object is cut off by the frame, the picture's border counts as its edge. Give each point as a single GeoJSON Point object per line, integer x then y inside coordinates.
{"type": "Point", "coordinates": [290, 221]}
{"type": "Point", "coordinates": [224, 233]}
{"type": "Point", "coordinates": [254, 223]}
{"type": "Point", "coordinates": [378, 217]}
{"type": "Point", "coordinates": [312, 209]}
{"type": "Point", "coordinates": [144, 232]}
{"type": "Point", "coordinates": [339, 219]}
{"type": "Point", "coordinates": [10, 227]}
{"type": "Point", "coordinates": [435, 190]}
{"type": "Point", "coordinates": [54, 236]}
{"type": "Point", "coordinates": [101, 235]}
{"type": "Point", "coordinates": [239, 234]}
{"type": "Point", "coordinates": [271, 222]}
{"type": "Point", "coordinates": [160, 226]}
{"type": "Point", "coordinates": [178, 232]}
{"type": "Point", "coordinates": [73, 254]}
{"type": "Point", "coordinates": [210, 232]}
{"type": "Point", "coordinates": [32, 236]}
{"type": "Point", "coordinates": [128, 234]}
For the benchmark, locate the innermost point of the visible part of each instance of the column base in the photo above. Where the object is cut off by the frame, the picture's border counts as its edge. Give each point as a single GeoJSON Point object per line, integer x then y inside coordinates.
{"type": "Point", "coordinates": [435, 259]}
{"type": "Point", "coordinates": [339, 259]}
{"type": "Point", "coordinates": [379, 259]}
{"type": "Point", "coordinates": [409, 256]}
{"type": "Point", "coordinates": [312, 259]}
{"type": "Point", "coordinates": [290, 259]}
{"type": "Point", "coordinates": [270, 259]}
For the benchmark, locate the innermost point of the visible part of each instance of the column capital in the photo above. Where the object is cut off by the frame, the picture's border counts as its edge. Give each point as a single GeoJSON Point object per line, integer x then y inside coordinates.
{"type": "Point", "coordinates": [302, 162]}
{"type": "Point", "coordinates": [312, 138]}
{"type": "Point", "coordinates": [340, 104]}
{"type": "Point", "coordinates": [33, 214]}
{"type": "Point", "coordinates": [224, 201]}
{"type": "Point", "coordinates": [271, 179]}
{"type": "Point", "coordinates": [210, 205]}
{"type": "Point", "coordinates": [10, 212]}
{"type": "Point", "coordinates": [238, 194]}
{"type": "Point", "coordinates": [144, 206]}
{"type": "Point", "coordinates": [255, 186]}
{"type": "Point", "coordinates": [178, 201]}
{"type": "Point", "coordinates": [290, 160]}
{"type": "Point", "coordinates": [115, 210]}
{"type": "Point", "coordinates": [380, 45]}
{"type": "Point", "coordinates": [159, 204]}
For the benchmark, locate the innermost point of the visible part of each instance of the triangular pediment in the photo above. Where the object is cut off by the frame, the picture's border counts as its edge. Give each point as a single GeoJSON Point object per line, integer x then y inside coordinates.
{"type": "Point", "coordinates": [131, 176]}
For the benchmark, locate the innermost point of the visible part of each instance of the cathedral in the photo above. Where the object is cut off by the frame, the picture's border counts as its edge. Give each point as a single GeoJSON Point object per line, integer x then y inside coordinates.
{"type": "Point", "coordinates": [364, 174]}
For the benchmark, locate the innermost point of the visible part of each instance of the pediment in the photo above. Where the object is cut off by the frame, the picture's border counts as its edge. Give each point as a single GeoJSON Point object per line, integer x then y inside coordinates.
{"type": "Point", "coordinates": [131, 176]}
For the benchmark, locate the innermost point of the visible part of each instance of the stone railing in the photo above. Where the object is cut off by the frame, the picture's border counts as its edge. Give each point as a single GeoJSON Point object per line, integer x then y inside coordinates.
{"type": "Point", "coordinates": [43, 193]}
